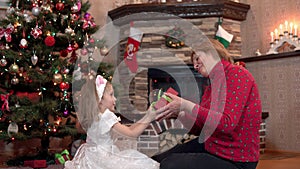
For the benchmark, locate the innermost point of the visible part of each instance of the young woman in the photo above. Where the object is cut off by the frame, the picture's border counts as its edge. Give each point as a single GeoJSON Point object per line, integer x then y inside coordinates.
{"type": "Point", "coordinates": [227, 120]}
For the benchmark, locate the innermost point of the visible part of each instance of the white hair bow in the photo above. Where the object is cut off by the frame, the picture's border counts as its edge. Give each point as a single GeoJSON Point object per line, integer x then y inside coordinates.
{"type": "Point", "coordinates": [100, 85]}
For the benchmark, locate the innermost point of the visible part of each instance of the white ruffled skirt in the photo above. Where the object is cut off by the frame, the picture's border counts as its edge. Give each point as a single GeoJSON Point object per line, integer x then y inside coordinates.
{"type": "Point", "coordinates": [110, 157]}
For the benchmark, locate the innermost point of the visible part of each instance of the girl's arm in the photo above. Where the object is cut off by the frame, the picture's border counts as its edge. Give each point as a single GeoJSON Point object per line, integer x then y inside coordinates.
{"type": "Point", "coordinates": [136, 128]}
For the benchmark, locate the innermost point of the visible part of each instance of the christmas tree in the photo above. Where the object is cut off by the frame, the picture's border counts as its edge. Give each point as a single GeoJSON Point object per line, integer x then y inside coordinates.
{"type": "Point", "coordinates": [41, 42]}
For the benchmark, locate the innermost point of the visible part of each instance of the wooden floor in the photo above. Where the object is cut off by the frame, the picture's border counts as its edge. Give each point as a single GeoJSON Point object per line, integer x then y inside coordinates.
{"type": "Point", "coordinates": [269, 160]}
{"type": "Point", "coordinates": [279, 160]}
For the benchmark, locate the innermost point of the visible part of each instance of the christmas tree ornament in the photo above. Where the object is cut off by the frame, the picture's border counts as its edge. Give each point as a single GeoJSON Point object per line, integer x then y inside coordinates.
{"type": "Point", "coordinates": [10, 10]}
{"type": "Point", "coordinates": [64, 86]}
{"type": "Point", "coordinates": [104, 51]}
{"type": "Point", "coordinates": [75, 17]}
{"type": "Point", "coordinates": [6, 32]}
{"type": "Point", "coordinates": [46, 8]}
{"type": "Point", "coordinates": [69, 30]}
{"type": "Point", "coordinates": [75, 8]}
{"type": "Point", "coordinates": [27, 16]}
{"type": "Point", "coordinates": [84, 51]}
{"type": "Point", "coordinates": [88, 21]}
{"type": "Point", "coordinates": [23, 43]}
{"type": "Point", "coordinates": [54, 16]}
{"type": "Point", "coordinates": [7, 46]}
{"type": "Point", "coordinates": [12, 129]}
{"type": "Point", "coordinates": [14, 80]}
{"type": "Point", "coordinates": [57, 78]}
{"type": "Point", "coordinates": [75, 45]}
{"type": "Point", "coordinates": [36, 11]}
{"type": "Point", "coordinates": [14, 68]}
{"type": "Point", "coordinates": [64, 53]}
{"type": "Point", "coordinates": [69, 48]}
{"type": "Point", "coordinates": [17, 105]}
{"type": "Point", "coordinates": [77, 74]}
{"type": "Point", "coordinates": [4, 99]}
{"type": "Point", "coordinates": [60, 6]}
{"type": "Point", "coordinates": [34, 59]}
{"type": "Point", "coordinates": [49, 41]}
{"type": "Point", "coordinates": [65, 71]}
{"type": "Point", "coordinates": [36, 32]}
{"type": "Point", "coordinates": [91, 40]}
{"type": "Point", "coordinates": [3, 62]}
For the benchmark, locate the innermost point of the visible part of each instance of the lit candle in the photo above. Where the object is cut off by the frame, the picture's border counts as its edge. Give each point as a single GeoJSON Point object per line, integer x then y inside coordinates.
{"type": "Point", "coordinates": [286, 25]}
{"type": "Point", "coordinates": [291, 27]}
{"type": "Point", "coordinates": [272, 36]}
{"type": "Point", "coordinates": [295, 27]}
{"type": "Point", "coordinates": [276, 34]}
{"type": "Point", "coordinates": [281, 29]}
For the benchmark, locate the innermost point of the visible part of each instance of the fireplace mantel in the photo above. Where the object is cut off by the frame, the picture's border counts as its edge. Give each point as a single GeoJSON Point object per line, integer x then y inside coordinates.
{"type": "Point", "coordinates": [200, 9]}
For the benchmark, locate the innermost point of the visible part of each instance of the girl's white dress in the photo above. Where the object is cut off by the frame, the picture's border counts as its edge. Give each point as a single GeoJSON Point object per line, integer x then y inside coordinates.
{"type": "Point", "coordinates": [99, 151]}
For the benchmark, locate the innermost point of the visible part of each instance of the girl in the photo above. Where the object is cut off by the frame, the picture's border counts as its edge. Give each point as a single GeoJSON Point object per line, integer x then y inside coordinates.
{"type": "Point", "coordinates": [99, 151]}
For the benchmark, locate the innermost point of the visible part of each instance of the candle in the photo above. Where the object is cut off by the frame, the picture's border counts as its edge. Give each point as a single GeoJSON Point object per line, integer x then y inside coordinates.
{"type": "Point", "coordinates": [291, 27]}
{"type": "Point", "coordinates": [163, 1]}
{"type": "Point", "coordinates": [272, 36]}
{"type": "Point", "coordinates": [281, 29]}
{"type": "Point", "coordinates": [286, 25]}
{"type": "Point", "coordinates": [276, 34]}
{"type": "Point", "coordinates": [295, 27]}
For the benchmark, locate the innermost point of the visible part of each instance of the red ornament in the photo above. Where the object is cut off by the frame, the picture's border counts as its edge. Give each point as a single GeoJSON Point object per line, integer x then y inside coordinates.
{"type": "Point", "coordinates": [36, 32]}
{"type": "Point", "coordinates": [64, 86]}
{"type": "Point", "coordinates": [64, 53]}
{"type": "Point", "coordinates": [75, 17]}
{"type": "Point", "coordinates": [60, 6]}
{"type": "Point", "coordinates": [49, 41]}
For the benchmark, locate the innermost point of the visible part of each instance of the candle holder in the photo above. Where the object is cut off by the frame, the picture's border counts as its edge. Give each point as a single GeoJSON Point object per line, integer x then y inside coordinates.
{"type": "Point", "coordinates": [279, 42]}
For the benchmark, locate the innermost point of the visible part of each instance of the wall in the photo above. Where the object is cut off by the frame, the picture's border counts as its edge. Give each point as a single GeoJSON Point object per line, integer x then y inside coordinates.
{"type": "Point", "coordinates": [262, 18]}
{"type": "Point", "coordinates": [279, 85]}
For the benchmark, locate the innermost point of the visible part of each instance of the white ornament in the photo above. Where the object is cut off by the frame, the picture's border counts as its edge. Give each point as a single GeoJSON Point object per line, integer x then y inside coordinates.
{"type": "Point", "coordinates": [34, 59]}
{"type": "Point", "coordinates": [36, 11]}
{"type": "Point", "coordinates": [23, 43]}
{"type": "Point", "coordinates": [12, 128]}
{"type": "Point", "coordinates": [77, 74]}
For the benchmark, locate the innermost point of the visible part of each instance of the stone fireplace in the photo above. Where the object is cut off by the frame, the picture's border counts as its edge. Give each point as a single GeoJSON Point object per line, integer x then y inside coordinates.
{"type": "Point", "coordinates": [161, 66]}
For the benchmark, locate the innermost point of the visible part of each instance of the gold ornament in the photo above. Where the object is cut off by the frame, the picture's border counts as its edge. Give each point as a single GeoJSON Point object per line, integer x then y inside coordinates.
{"type": "Point", "coordinates": [14, 68]}
{"type": "Point", "coordinates": [57, 78]}
{"type": "Point", "coordinates": [104, 51]}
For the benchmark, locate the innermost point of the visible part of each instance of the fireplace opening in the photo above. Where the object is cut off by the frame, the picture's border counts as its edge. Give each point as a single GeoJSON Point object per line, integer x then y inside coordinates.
{"type": "Point", "coordinates": [183, 78]}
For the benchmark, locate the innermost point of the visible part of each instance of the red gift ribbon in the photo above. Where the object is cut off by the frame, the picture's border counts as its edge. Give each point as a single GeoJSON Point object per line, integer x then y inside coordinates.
{"type": "Point", "coordinates": [6, 32]}
{"type": "Point", "coordinates": [4, 98]}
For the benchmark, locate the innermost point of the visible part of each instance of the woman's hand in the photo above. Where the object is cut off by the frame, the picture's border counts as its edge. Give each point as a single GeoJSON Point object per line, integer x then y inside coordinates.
{"type": "Point", "coordinates": [170, 110]}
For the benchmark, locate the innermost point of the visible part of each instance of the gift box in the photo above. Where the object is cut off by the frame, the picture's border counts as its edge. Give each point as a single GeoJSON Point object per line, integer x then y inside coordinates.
{"type": "Point", "coordinates": [35, 163]}
{"type": "Point", "coordinates": [61, 158]}
{"type": "Point", "coordinates": [163, 99]}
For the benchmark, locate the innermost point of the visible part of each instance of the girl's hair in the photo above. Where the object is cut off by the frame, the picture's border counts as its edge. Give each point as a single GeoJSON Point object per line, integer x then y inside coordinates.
{"type": "Point", "coordinates": [210, 46]}
{"type": "Point", "coordinates": [88, 107]}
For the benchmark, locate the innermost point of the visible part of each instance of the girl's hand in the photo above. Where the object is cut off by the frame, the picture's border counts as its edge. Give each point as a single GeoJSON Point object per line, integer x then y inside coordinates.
{"type": "Point", "coordinates": [170, 110]}
{"type": "Point", "coordinates": [151, 113]}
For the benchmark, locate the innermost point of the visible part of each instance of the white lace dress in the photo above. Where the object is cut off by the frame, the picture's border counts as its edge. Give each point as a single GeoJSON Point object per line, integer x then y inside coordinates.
{"type": "Point", "coordinates": [99, 152]}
